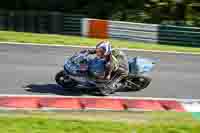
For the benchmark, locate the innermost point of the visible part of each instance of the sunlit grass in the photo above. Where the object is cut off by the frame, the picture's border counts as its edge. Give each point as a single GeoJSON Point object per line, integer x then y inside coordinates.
{"type": "Point", "coordinates": [75, 40]}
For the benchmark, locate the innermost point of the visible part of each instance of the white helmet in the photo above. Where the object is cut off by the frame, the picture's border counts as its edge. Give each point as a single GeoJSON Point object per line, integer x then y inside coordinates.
{"type": "Point", "coordinates": [106, 45]}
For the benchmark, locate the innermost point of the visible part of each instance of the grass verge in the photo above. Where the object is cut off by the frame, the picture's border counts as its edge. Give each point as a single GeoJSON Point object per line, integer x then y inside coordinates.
{"type": "Point", "coordinates": [75, 40]}
{"type": "Point", "coordinates": [88, 122]}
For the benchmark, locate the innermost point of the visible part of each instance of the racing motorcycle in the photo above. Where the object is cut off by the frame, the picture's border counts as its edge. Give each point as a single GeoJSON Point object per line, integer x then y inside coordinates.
{"type": "Point", "coordinates": [82, 69]}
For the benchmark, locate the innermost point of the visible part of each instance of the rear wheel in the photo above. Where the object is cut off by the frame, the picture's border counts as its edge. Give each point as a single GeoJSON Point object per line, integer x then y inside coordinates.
{"type": "Point", "coordinates": [63, 80]}
{"type": "Point", "coordinates": [138, 83]}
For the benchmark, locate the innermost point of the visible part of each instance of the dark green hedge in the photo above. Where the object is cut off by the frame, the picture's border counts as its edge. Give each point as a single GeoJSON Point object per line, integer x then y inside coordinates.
{"type": "Point", "coordinates": [149, 11]}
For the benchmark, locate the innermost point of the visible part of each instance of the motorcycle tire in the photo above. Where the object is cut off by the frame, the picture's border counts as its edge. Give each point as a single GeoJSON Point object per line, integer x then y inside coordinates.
{"type": "Point", "coordinates": [63, 80]}
{"type": "Point", "coordinates": [139, 82]}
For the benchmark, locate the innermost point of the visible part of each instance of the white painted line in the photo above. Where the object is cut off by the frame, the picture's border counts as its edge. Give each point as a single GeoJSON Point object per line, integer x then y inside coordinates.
{"type": "Point", "coordinates": [109, 97]}
{"type": "Point", "coordinates": [67, 110]}
{"type": "Point", "coordinates": [140, 110]}
{"type": "Point", "coordinates": [49, 45]}
{"type": "Point", "coordinates": [100, 109]}
{"type": "Point", "coordinates": [58, 109]}
{"type": "Point", "coordinates": [191, 106]}
{"type": "Point", "coordinates": [17, 109]}
{"type": "Point", "coordinates": [76, 46]}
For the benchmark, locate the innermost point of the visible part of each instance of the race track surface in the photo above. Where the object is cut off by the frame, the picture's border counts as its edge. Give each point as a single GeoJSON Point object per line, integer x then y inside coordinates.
{"type": "Point", "coordinates": [31, 70]}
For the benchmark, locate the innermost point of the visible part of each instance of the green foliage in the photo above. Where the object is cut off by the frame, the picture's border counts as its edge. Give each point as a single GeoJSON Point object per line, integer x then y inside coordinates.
{"type": "Point", "coordinates": [149, 11]}
{"type": "Point", "coordinates": [193, 14]}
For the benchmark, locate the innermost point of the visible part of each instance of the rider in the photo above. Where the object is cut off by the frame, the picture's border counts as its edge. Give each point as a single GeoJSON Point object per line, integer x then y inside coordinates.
{"type": "Point", "coordinates": [116, 60]}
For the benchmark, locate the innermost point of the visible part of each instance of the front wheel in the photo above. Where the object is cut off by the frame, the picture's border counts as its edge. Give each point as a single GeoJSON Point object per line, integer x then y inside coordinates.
{"type": "Point", "coordinates": [63, 80]}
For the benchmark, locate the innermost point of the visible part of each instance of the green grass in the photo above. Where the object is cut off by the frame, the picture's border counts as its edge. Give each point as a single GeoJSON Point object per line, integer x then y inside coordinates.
{"type": "Point", "coordinates": [75, 40]}
{"type": "Point", "coordinates": [45, 125]}
{"type": "Point", "coordinates": [87, 122]}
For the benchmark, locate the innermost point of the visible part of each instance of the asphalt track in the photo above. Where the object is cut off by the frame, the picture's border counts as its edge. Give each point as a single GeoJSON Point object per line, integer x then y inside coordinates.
{"type": "Point", "coordinates": [27, 69]}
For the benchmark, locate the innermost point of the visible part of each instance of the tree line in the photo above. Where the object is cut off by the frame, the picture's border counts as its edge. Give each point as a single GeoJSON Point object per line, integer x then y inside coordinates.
{"type": "Point", "coordinates": [183, 12]}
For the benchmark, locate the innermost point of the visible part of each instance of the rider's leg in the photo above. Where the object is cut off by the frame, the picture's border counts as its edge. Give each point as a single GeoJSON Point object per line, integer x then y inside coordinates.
{"type": "Point", "coordinates": [121, 72]}
{"type": "Point", "coordinates": [118, 75]}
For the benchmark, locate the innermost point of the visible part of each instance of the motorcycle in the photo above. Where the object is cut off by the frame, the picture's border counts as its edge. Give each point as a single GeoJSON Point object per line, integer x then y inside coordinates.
{"type": "Point", "coordinates": [82, 69]}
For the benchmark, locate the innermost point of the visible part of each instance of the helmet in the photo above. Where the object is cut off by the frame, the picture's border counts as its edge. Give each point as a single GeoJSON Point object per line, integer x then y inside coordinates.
{"type": "Point", "coordinates": [106, 45]}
